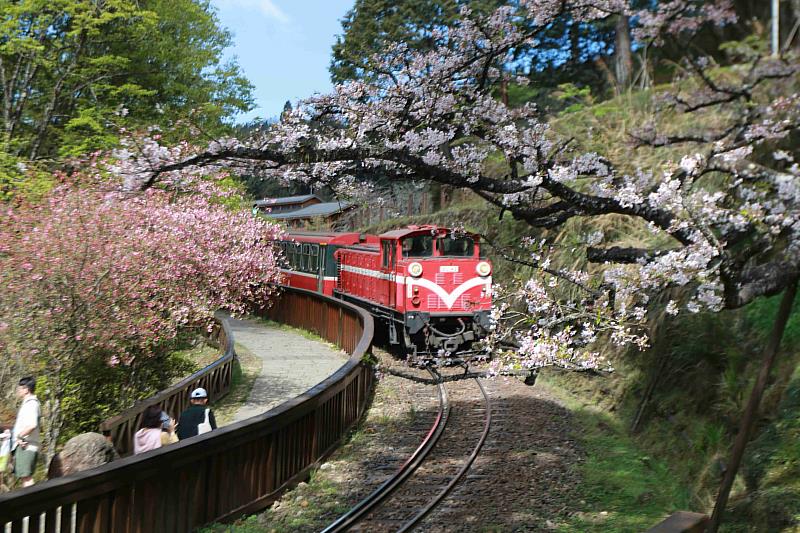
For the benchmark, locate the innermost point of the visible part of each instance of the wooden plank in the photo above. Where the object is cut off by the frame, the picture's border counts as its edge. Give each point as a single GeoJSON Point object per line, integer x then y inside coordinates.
{"type": "Point", "coordinates": [68, 518]}
{"type": "Point", "coordinates": [34, 523]}
{"type": "Point", "coordinates": [93, 515]}
{"type": "Point", "coordinates": [121, 510]}
{"type": "Point", "coordinates": [51, 520]}
{"type": "Point", "coordinates": [681, 522]}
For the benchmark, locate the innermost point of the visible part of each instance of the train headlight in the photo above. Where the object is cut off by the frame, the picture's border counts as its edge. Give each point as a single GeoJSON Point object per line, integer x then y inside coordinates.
{"type": "Point", "coordinates": [483, 268]}
{"type": "Point", "coordinates": [415, 269]}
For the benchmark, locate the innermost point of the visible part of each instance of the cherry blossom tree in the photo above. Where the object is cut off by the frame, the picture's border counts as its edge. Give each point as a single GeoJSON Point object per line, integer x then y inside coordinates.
{"type": "Point", "coordinates": [722, 205]}
{"type": "Point", "coordinates": [95, 273]}
{"type": "Point", "coordinates": [434, 116]}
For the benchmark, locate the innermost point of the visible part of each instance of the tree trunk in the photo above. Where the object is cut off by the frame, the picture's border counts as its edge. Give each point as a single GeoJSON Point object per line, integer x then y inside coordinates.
{"type": "Point", "coordinates": [750, 412]}
{"type": "Point", "coordinates": [623, 57]}
{"type": "Point", "coordinates": [54, 97]}
{"type": "Point", "coordinates": [652, 384]}
{"type": "Point", "coordinates": [436, 196]}
{"type": "Point", "coordinates": [54, 421]}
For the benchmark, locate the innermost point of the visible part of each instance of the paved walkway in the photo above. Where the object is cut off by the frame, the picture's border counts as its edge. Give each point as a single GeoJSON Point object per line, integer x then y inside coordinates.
{"type": "Point", "coordinates": [292, 364]}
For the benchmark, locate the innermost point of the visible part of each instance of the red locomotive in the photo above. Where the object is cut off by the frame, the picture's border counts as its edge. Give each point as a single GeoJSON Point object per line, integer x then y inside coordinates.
{"type": "Point", "coordinates": [431, 287]}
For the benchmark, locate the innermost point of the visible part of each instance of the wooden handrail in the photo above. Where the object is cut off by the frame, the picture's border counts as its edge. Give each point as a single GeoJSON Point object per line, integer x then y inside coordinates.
{"type": "Point", "coordinates": [216, 378]}
{"type": "Point", "coordinates": [223, 474]}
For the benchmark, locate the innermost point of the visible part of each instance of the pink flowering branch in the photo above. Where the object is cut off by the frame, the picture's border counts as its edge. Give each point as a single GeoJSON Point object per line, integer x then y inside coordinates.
{"type": "Point", "coordinates": [96, 275]}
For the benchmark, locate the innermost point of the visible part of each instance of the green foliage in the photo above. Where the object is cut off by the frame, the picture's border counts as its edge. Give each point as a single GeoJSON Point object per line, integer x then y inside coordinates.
{"type": "Point", "coordinates": [372, 25]}
{"type": "Point", "coordinates": [760, 314]}
{"type": "Point", "coordinates": [21, 180]}
{"type": "Point", "coordinates": [748, 49]}
{"type": "Point", "coordinates": [75, 71]}
{"type": "Point", "coordinates": [624, 489]}
{"type": "Point", "coordinates": [576, 97]}
{"type": "Point", "coordinates": [233, 194]}
{"type": "Point", "coordinates": [85, 133]}
{"type": "Point", "coordinates": [114, 388]}
{"type": "Point", "coordinates": [521, 94]}
{"type": "Point", "coordinates": [773, 469]}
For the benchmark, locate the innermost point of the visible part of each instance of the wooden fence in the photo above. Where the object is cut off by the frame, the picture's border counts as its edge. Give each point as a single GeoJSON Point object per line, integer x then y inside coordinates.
{"type": "Point", "coordinates": [215, 378]}
{"type": "Point", "coordinates": [221, 475]}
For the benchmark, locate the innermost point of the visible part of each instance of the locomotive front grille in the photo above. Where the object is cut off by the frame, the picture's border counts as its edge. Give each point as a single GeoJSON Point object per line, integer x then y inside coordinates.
{"type": "Point", "coordinates": [449, 279]}
{"type": "Point", "coordinates": [464, 302]}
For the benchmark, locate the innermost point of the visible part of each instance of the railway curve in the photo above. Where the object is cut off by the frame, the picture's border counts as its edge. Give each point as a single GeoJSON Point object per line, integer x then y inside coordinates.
{"type": "Point", "coordinates": [428, 476]}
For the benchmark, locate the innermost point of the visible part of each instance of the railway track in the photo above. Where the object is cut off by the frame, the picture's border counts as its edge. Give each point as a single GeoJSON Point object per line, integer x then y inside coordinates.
{"type": "Point", "coordinates": [435, 468]}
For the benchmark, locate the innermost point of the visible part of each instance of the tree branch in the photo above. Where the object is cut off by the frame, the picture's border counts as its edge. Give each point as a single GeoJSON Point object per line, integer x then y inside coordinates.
{"type": "Point", "coordinates": [616, 254]}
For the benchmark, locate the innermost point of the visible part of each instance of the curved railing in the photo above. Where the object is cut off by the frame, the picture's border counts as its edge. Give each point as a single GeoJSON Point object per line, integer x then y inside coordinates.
{"type": "Point", "coordinates": [215, 378]}
{"type": "Point", "coordinates": [220, 475]}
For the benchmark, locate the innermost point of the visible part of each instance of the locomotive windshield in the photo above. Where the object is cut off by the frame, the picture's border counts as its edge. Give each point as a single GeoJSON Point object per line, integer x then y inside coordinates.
{"type": "Point", "coordinates": [459, 247]}
{"type": "Point", "coordinates": [418, 246]}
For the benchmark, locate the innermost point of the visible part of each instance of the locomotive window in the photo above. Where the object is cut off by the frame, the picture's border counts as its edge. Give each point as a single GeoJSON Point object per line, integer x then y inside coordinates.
{"type": "Point", "coordinates": [285, 257]}
{"type": "Point", "coordinates": [297, 255]}
{"type": "Point", "coordinates": [461, 247]}
{"type": "Point", "coordinates": [387, 252]}
{"type": "Point", "coordinates": [288, 247]}
{"type": "Point", "coordinates": [313, 258]}
{"type": "Point", "coordinates": [418, 246]}
{"type": "Point", "coordinates": [305, 266]}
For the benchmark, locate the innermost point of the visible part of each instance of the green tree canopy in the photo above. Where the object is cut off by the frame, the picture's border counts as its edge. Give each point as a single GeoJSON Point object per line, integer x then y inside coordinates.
{"type": "Point", "coordinates": [73, 71]}
{"type": "Point", "coordinates": [373, 25]}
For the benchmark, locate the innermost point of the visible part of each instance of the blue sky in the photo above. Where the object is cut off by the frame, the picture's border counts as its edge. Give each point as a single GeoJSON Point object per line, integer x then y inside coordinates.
{"type": "Point", "coordinates": [283, 46]}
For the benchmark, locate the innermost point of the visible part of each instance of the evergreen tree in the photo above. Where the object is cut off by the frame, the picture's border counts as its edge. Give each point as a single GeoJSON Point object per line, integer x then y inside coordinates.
{"type": "Point", "coordinates": [73, 71]}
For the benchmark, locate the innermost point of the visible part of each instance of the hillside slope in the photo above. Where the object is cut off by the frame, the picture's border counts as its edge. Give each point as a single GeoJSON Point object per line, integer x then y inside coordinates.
{"type": "Point", "coordinates": [680, 400]}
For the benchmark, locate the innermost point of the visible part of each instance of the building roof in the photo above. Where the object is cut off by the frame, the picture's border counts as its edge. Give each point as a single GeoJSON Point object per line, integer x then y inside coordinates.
{"type": "Point", "coordinates": [268, 202]}
{"type": "Point", "coordinates": [315, 210]}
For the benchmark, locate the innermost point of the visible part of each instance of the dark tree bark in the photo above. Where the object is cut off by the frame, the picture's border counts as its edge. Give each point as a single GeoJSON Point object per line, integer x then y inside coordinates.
{"type": "Point", "coordinates": [623, 57]}
{"type": "Point", "coordinates": [750, 412]}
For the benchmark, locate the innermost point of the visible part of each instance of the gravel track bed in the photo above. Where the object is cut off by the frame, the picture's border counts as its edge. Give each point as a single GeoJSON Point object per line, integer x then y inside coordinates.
{"type": "Point", "coordinates": [523, 479]}
{"type": "Point", "coordinates": [464, 426]}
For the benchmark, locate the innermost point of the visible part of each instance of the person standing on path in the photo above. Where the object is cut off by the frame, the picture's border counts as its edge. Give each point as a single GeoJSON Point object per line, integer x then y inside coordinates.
{"type": "Point", "coordinates": [198, 414]}
{"type": "Point", "coordinates": [25, 435]}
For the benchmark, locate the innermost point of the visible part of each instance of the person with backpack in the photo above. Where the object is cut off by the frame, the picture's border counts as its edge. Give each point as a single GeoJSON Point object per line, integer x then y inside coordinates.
{"type": "Point", "coordinates": [198, 418]}
{"type": "Point", "coordinates": [25, 435]}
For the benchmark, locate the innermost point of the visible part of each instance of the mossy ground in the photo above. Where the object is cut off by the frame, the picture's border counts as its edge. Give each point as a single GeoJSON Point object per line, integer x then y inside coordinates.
{"type": "Point", "coordinates": [623, 489]}
{"type": "Point", "coordinates": [198, 356]}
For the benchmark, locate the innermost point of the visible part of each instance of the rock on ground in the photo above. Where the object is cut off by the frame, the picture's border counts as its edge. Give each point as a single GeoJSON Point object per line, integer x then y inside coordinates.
{"type": "Point", "coordinates": [87, 450]}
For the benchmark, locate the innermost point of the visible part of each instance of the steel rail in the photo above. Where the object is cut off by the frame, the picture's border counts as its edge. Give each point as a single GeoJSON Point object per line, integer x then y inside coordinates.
{"type": "Point", "coordinates": [411, 524]}
{"type": "Point", "coordinates": [376, 497]}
